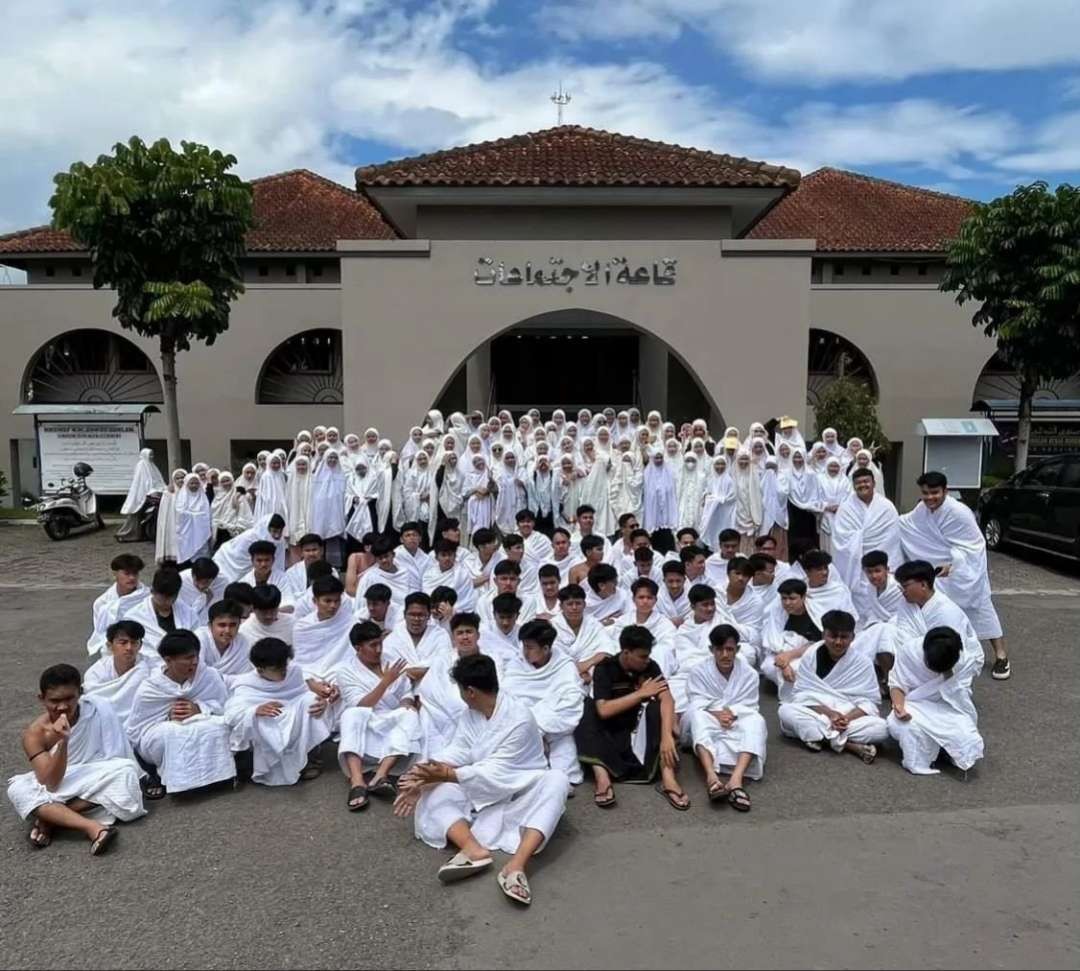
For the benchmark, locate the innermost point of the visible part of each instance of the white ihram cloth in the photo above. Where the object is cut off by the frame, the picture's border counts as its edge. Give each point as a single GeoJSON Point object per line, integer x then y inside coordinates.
{"type": "Point", "coordinates": [564, 566]}
{"type": "Point", "coordinates": [851, 683]}
{"type": "Point", "coordinates": [747, 613]}
{"type": "Point", "coordinates": [555, 695]}
{"type": "Point", "coordinates": [145, 479]}
{"type": "Point", "coordinates": [939, 611]}
{"type": "Point", "coordinates": [327, 504]}
{"type": "Point", "coordinates": [604, 607]}
{"type": "Point", "coordinates": [233, 663]}
{"type": "Point", "coordinates": [950, 535]}
{"type": "Point", "coordinates": [398, 581]}
{"type": "Point", "coordinates": [253, 629]}
{"type": "Point", "coordinates": [280, 745]}
{"type": "Point", "coordinates": [859, 528]}
{"type": "Point", "coordinates": [415, 566]}
{"type": "Point", "coordinates": [718, 510]}
{"type": "Point", "coordinates": [399, 645]}
{"type": "Point", "coordinates": [183, 617]}
{"type": "Point", "coordinates": [200, 601]}
{"type": "Point", "coordinates": [457, 578]}
{"type": "Point", "coordinates": [100, 769]}
{"type": "Point", "coordinates": [102, 681]}
{"type": "Point", "coordinates": [108, 609]}
{"type": "Point", "coordinates": [679, 609]}
{"type": "Point", "coordinates": [775, 640]}
{"type": "Point", "coordinates": [193, 529]}
{"type": "Point", "coordinates": [710, 691]}
{"type": "Point", "coordinates": [504, 784]}
{"type": "Point", "coordinates": [875, 629]}
{"type": "Point", "coordinates": [691, 647]}
{"type": "Point", "coordinates": [592, 638]}
{"type": "Point", "coordinates": [271, 497]}
{"type": "Point", "coordinates": [188, 754]}
{"type": "Point", "coordinates": [487, 612]}
{"type": "Point", "coordinates": [319, 646]}
{"type": "Point", "coordinates": [833, 594]}
{"type": "Point", "coordinates": [233, 558]}
{"type": "Point", "coordinates": [662, 630]}
{"type": "Point", "coordinates": [832, 491]}
{"type": "Point", "coordinates": [502, 648]}
{"type": "Point", "coordinates": [373, 734]}
{"type": "Point", "coordinates": [943, 715]}
{"type": "Point", "coordinates": [440, 704]}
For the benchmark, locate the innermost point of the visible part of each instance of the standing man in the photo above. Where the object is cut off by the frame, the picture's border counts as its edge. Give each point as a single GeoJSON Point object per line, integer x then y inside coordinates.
{"type": "Point", "coordinates": [866, 521]}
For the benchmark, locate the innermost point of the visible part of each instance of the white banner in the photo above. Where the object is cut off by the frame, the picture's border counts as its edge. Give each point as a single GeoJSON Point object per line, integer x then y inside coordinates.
{"type": "Point", "coordinates": [111, 448]}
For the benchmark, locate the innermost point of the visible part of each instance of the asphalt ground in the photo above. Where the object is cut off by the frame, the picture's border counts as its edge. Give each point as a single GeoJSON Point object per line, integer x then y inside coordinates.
{"type": "Point", "coordinates": [838, 865]}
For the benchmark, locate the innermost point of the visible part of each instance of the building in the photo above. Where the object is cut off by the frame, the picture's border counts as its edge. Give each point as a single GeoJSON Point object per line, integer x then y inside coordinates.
{"type": "Point", "coordinates": [568, 267]}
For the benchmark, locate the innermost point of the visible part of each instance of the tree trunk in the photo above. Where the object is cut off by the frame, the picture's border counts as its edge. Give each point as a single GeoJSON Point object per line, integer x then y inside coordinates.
{"type": "Point", "coordinates": [1028, 385]}
{"type": "Point", "coordinates": [172, 412]}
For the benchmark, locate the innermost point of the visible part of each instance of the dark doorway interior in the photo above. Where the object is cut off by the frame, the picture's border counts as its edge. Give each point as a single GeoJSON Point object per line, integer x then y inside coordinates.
{"type": "Point", "coordinates": [565, 369]}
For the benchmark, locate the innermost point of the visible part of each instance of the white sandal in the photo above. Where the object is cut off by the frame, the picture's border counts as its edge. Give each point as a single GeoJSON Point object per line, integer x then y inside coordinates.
{"type": "Point", "coordinates": [515, 881]}
{"type": "Point", "coordinates": [461, 867]}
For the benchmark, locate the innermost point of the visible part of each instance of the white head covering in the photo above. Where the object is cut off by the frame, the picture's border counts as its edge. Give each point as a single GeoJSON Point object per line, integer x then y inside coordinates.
{"type": "Point", "coordinates": [660, 498]}
{"type": "Point", "coordinates": [145, 479]}
{"type": "Point", "coordinates": [222, 511]}
{"type": "Point", "coordinates": [271, 497]}
{"type": "Point", "coordinates": [192, 511]}
{"type": "Point", "coordinates": [298, 501]}
{"type": "Point", "coordinates": [327, 515]}
{"type": "Point", "coordinates": [748, 507]}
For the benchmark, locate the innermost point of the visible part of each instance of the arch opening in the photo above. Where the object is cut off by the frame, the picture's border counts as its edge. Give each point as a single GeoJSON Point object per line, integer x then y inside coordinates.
{"type": "Point", "coordinates": [303, 370]}
{"type": "Point", "coordinates": [90, 366]}
{"type": "Point", "coordinates": [998, 387]}
{"type": "Point", "coordinates": [832, 357]}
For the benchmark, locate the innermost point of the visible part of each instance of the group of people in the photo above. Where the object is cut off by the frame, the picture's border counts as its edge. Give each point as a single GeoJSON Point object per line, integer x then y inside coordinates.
{"type": "Point", "coordinates": [483, 472]}
{"type": "Point", "coordinates": [474, 685]}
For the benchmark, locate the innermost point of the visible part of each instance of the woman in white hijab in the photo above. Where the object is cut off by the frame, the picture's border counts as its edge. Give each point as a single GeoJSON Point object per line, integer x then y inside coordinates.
{"type": "Point", "coordinates": [411, 445]}
{"type": "Point", "coordinates": [654, 422]}
{"type": "Point", "coordinates": [660, 498]}
{"type": "Point", "coordinates": [673, 457]}
{"type": "Point", "coordinates": [748, 511]}
{"type": "Point", "coordinates": [433, 424]}
{"type": "Point", "coordinates": [718, 505]}
{"type": "Point", "coordinates": [350, 453]}
{"type": "Point", "coordinates": [327, 515]}
{"type": "Point", "coordinates": [628, 482]}
{"type": "Point", "coordinates": [271, 496]}
{"type": "Point", "coordinates": [835, 487]}
{"type": "Point", "coordinates": [774, 506]}
{"type": "Point", "coordinates": [192, 515]}
{"type": "Point", "coordinates": [540, 489]}
{"type": "Point", "coordinates": [370, 448]}
{"type": "Point", "coordinates": [865, 460]}
{"type": "Point", "coordinates": [690, 493]}
{"type": "Point", "coordinates": [759, 454]}
{"type": "Point", "coordinates": [249, 483]}
{"type": "Point", "coordinates": [831, 442]}
{"type": "Point", "coordinates": [451, 498]}
{"type": "Point", "coordinates": [567, 487]}
{"type": "Point", "coordinates": [361, 487]}
{"type": "Point", "coordinates": [298, 500]}
{"type": "Point", "coordinates": [301, 438]}
{"type": "Point", "coordinates": [145, 479]}
{"type": "Point", "coordinates": [165, 538]}
{"type": "Point", "coordinates": [418, 490]}
{"type": "Point", "coordinates": [386, 455]}
{"type": "Point", "coordinates": [459, 427]}
{"type": "Point", "coordinates": [477, 488]}
{"type": "Point", "coordinates": [260, 464]}
{"type": "Point", "coordinates": [847, 458]}
{"type": "Point", "coordinates": [817, 458]}
{"type": "Point", "coordinates": [511, 495]}
{"type": "Point", "coordinates": [596, 488]}
{"type": "Point", "coordinates": [804, 505]}
{"type": "Point", "coordinates": [223, 509]}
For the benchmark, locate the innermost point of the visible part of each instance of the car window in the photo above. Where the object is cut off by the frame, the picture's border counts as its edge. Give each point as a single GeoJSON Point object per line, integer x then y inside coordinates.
{"type": "Point", "coordinates": [1046, 474]}
{"type": "Point", "coordinates": [1070, 478]}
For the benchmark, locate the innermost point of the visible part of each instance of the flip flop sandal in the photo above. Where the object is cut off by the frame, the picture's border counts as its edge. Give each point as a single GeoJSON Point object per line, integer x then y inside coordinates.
{"type": "Point", "coordinates": [605, 799]}
{"type": "Point", "coordinates": [43, 839]}
{"type": "Point", "coordinates": [738, 799]}
{"type": "Point", "coordinates": [516, 887]}
{"type": "Point", "coordinates": [357, 792]}
{"type": "Point", "coordinates": [310, 771]}
{"type": "Point", "coordinates": [671, 795]}
{"type": "Point", "coordinates": [717, 792]}
{"type": "Point", "coordinates": [461, 867]}
{"type": "Point", "coordinates": [384, 788]}
{"type": "Point", "coordinates": [869, 753]}
{"type": "Point", "coordinates": [103, 840]}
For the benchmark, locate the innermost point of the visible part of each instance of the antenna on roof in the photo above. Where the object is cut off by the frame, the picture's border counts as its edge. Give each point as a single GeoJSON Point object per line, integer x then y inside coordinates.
{"type": "Point", "coordinates": [560, 99]}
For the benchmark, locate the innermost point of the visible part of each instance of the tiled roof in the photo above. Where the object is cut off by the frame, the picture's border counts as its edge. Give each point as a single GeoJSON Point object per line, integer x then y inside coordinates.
{"type": "Point", "coordinates": [295, 211]}
{"type": "Point", "coordinates": [574, 156]}
{"type": "Point", "coordinates": [849, 212]}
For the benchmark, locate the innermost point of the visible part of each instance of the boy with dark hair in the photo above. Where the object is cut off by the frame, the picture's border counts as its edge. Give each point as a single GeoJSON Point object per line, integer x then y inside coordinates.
{"type": "Point", "coordinates": [124, 594]}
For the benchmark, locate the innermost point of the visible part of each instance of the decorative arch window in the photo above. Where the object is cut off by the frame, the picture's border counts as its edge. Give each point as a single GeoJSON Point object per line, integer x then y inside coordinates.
{"type": "Point", "coordinates": [999, 381]}
{"type": "Point", "coordinates": [90, 366]}
{"type": "Point", "coordinates": [304, 370]}
{"type": "Point", "coordinates": [832, 357]}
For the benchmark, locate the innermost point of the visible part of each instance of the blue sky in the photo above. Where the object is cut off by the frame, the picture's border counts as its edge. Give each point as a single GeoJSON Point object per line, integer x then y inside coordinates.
{"type": "Point", "coordinates": [966, 96]}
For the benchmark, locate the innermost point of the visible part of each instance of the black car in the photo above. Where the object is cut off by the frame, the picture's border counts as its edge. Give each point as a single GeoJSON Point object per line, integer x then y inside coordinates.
{"type": "Point", "coordinates": [1039, 507]}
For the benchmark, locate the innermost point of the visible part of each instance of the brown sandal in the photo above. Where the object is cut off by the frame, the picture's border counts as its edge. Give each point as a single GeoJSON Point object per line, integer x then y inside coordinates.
{"type": "Point", "coordinates": [673, 794]}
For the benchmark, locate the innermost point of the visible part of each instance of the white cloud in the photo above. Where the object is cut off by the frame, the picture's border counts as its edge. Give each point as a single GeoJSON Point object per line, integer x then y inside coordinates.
{"type": "Point", "coordinates": [1055, 148]}
{"type": "Point", "coordinates": [833, 40]}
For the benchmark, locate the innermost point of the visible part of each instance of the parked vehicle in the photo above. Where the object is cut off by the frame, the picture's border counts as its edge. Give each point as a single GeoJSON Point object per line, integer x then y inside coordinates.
{"type": "Point", "coordinates": [69, 505]}
{"type": "Point", "coordinates": [1038, 508]}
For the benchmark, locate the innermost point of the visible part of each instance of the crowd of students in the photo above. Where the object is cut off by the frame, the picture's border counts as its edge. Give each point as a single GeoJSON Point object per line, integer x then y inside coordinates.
{"type": "Point", "coordinates": [475, 685]}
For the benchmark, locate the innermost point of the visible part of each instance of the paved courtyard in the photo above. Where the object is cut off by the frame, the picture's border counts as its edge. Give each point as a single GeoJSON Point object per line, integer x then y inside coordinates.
{"type": "Point", "coordinates": [838, 865]}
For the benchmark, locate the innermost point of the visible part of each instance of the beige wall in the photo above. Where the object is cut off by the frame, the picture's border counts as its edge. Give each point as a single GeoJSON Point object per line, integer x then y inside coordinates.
{"type": "Point", "coordinates": [736, 306]}
{"type": "Point", "coordinates": [925, 353]}
{"type": "Point", "coordinates": [573, 222]}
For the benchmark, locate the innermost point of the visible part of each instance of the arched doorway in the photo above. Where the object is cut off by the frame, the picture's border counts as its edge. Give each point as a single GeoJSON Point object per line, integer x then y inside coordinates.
{"type": "Point", "coordinates": [304, 370]}
{"type": "Point", "coordinates": [999, 384]}
{"type": "Point", "coordinates": [578, 359]}
{"type": "Point", "coordinates": [831, 357]}
{"type": "Point", "coordinates": [90, 366]}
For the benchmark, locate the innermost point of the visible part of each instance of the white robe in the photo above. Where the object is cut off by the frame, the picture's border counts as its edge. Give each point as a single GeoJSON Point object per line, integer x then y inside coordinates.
{"type": "Point", "coordinates": [399, 645]}
{"type": "Point", "coordinates": [399, 583]}
{"type": "Point", "coordinates": [679, 609]}
{"type": "Point", "coordinates": [851, 684]}
{"type": "Point", "coordinates": [415, 566]}
{"type": "Point", "coordinates": [440, 704]}
{"type": "Point", "coordinates": [457, 578]}
{"type": "Point", "coordinates": [233, 558]}
{"type": "Point", "coordinates": [859, 529]}
{"type": "Point", "coordinates": [504, 784]}
{"type": "Point", "coordinates": [502, 648]}
{"type": "Point", "coordinates": [100, 769]}
{"type": "Point", "coordinates": [708, 691]}
{"type": "Point", "coordinates": [102, 681]}
{"type": "Point", "coordinates": [718, 508]}
{"type": "Point", "coordinates": [183, 617]}
{"type": "Point", "coordinates": [327, 503]}
{"type": "Point", "coordinates": [253, 629]}
{"type": "Point", "coordinates": [943, 715]}
{"type": "Point", "coordinates": [188, 754]}
{"type": "Point", "coordinates": [592, 638]}
{"type": "Point", "coordinates": [603, 607]}
{"type": "Point", "coordinates": [939, 611]}
{"type": "Point", "coordinates": [231, 664]}
{"type": "Point", "coordinates": [108, 609]}
{"type": "Point", "coordinates": [200, 601]}
{"type": "Point", "coordinates": [875, 630]}
{"type": "Point", "coordinates": [661, 503]}
{"type": "Point", "coordinates": [374, 733]}
{"type": "Point", "coordinates": [193, 529]}
{"type": "Point", "coordinates": [319, 646]}
{"type": "Point", "coordinates": [145, 478]}
{"type": "Point", "coordinates": [280, 745]}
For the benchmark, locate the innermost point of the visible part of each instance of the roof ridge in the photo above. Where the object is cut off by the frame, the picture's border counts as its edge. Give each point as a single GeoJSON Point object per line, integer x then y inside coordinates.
{"type": "Point", "coordinates": [44, 227]}
{"type": "Point", "coordinates": [311, 174]}
{"type": "Point", "coordinates": [889, 182]}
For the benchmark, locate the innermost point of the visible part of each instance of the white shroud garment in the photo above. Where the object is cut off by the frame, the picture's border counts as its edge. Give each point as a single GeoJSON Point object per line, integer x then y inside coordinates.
{"type": "Point", "coordinates": [319, 646]}
{"type": "Point", "coordinates": [504, 784]}
{"type": "Point", "coordinates": [859, 528]}
{"type": "Point", "coordinates": [457, 578]}
{"type": "Point", "coordinates": [233, 558]}
{"type": "Point", "coordinates": [100, 769]}
{"type": "Point", "coordinates": [327, 504]}
{"type": "Point", "coordinates": [556, 696]}
{"type": "Point", "coordinates": [108, 609]}
{"type": "Point", "coordinates": [950, 536]}
{"type": "Point", "coordinates": [592, 638]}
{"type": "Point", "coordinates": [415, 566]}
{"type": "Point", "coordinates": [188, 754]}
{"type": "Point", "coordinates": [102, 681]}
{"type": "Point", "coordinates": [192, 513]}
{"type": "Point", "coordinates": [659, 497]}
{"type": "Point", "coordinates": [183, 617]}
{"type": "Point", "coordinates": [374, 733]}
{"type": "Point", "coordinates": [398, 581]}
{"type": "Point", "coordinates": [279, 744]}
{"type": "Point", "coordinates": [939, 611]}
{"type": "Point", "coordinates": [943, 715]}
{"type": "Point", "coordinates": [230, 664]}
{"type": "Point", "coordinates": [145, 479]}
{"type": "Point", "coordinates": [602, 608]}
{"type": "Point", "coordinates": [440, 704]}
{"type": "Point", "coordinates": [200, 601]}
{"type": "Point", "coordinates": [850, 684]}
{"type": "Point", "coordinates": [708, 691]}
{"type": "Point", "coordinates": [875, 630]}
{"type": "Point", "coordinates": [399, 644]}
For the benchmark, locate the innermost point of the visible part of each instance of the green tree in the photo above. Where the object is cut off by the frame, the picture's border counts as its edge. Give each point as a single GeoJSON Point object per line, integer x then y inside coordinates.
{"type": "Point", "coordinates": [1019, 257]}
{"type": "Point", "coordinates": [849, 406]}
{"type": "Point", "coordinates": [165, 229]}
